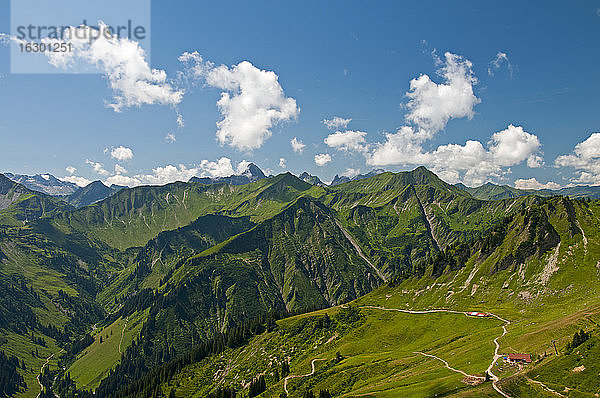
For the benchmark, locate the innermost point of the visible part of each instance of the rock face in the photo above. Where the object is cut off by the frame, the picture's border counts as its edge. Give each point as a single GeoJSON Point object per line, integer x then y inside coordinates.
{"type": "Point", "coordinates": [342, 179]}
{"type": "Point", "coordinates": [45, 183]}
{"type": "Point", "coordinates": [313, 180]}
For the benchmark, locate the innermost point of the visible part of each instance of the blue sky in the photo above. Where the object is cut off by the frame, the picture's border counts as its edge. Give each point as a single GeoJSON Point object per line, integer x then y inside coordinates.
{"type": "Point", "coordinates": [350, 59]}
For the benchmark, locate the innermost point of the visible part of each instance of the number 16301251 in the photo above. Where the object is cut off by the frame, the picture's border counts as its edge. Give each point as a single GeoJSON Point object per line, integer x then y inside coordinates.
{"type": "Point", "coordinates": [46, 47]}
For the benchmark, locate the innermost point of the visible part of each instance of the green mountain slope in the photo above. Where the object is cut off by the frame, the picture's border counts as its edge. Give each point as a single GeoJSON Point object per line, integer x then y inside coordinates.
{"type": "Point", "coordinates": [169, 268]}
{"type": "Point", "coordinates": [491, 191]}
{"type": "Point", "coordinates": [401, 219]}
{"type": "Point", "coordinates": [47, 297]}
{"type": "Point", "coordinates": [297, 260]}
{"type": "Point", "coordinates": [19, 205]}
{"type": "Point", "coordinates": [132, 217]}
{"type": "Point", "coordinates": [537, 270]}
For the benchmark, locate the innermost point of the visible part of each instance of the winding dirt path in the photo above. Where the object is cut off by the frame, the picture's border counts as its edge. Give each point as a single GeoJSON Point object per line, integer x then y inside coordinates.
{"type": "Point", "coordinates": [495, 379]}
{"type": "Point", "coordinates": [122, 334]}
{"type": "Point", "coordinates": [448, 366]}
{"type": "Point", "coordinates": [545, 387]}
{"type": "Point", "coordinates": [42, 369]}
{"type": "Point", "coordinates": [312, 364]}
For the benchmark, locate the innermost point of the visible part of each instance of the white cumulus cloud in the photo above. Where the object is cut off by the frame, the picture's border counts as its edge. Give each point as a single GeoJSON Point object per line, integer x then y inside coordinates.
{"type": "Point", "coordinates": [347, 141]}
{"type": "Point", "coordinates": [533, 183]}
{"type": "Point", "coordinates": [121, 153]}
{"type": "Point", "coordinates": [350, 172]}
{"type": "Point", "coordinates": [120, 169]}
{"type": "Point", "coordinates": [336, 123]}
{"type": "Point", "coordinates": [123, 180]}
{"type": "Point", "coordinates": [242, 167]}
{"type": "Point", "coordinates": [514, 145]}
{"type": "Point", "coordinates": [98, 167]}
{"type": "Point", "coordinates": [282, 163]}
{"type": "Point", "coordinates": [401, 147]}
{"type": "Point", "coordinates": [161, 175]}
{"type": "Point", "coordinates": [432, 105]}
{"type": "Point", "coordinates": [123, 62]}
{"type": "Point", "coordinates": [471, 163]}
{"type": "Point", "coordinates": [297, 145]}
{"type": "Point", "coordinates": [585, 158]}
{"type": "Point", "coordinates": [77, 180]}
{"type": "Point", "coordinates": [168, 174]}
{"type": "Point", "coordinates": [219, 168]}
{"type": "Point", "coordinates": [70, 169]}
{"type": "Point", "coordinates": [251, 104]}
{"type": "Point", "coordinates": [322, 159]}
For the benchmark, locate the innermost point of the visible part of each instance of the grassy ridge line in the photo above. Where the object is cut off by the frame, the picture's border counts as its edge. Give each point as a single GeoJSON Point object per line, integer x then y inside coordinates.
{"type": "Point", "coordinates": [132, 217]}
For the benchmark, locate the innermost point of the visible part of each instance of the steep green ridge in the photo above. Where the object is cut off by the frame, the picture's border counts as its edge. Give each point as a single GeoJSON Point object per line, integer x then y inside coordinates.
{"type": "Point", "coordinates": [401, 219]}
{"type": "Point", "coordinates": [47, 297]}
{"type": "Point", "coordinates": [131, 217]}
{"type": "Point", "coordinates": [297, 260]}
{"type": "Point", "coordinates": [538, 269]}
{"type": "Point", "coordinates": [48, 280]}
{"type": "Point", "coordinates": [303, 249]}
{"type": "Point", "coordinates": [161, 255]}
{"type": "Point", "coordinates": [491, 191]}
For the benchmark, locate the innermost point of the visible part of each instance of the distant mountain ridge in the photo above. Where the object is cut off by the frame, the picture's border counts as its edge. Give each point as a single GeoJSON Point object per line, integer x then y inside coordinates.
{"type": "Point", "coordinates": [311, 179]}
{"type": "Point", "coordinates": [45, 183]}
{"type": "Point", "coordinates": [342, 179]}
{"type": "Point", "coordinates": [19, 204]}
{"type": "Point", "coordinates": [96, 191]}
{"type": "Point", "coordinates": [490, 191]}
{"type": "Point", "coordinates": [91, 193]}
{"type": "Point", "coordinates": [253, 173]}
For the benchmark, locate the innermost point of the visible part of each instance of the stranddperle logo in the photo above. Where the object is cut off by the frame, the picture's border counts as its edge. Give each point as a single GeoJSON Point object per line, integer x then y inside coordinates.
{"type": "Point", "coordinates": [41, 31]}
{"type": "Point", "coordinates": [33, 33]}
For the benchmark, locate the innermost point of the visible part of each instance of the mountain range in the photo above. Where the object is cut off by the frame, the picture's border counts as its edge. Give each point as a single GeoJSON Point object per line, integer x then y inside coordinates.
{"type": "Point", "coordinates": [191, 287]}
{"type": "Point", "coordinates": [96, 191]}
{"type": "Point", "coordinates": [45, 183]}
{"type": "Point", "coordinates": [253, 173]}
{"type": "Point", "coordinates": [491, 191]}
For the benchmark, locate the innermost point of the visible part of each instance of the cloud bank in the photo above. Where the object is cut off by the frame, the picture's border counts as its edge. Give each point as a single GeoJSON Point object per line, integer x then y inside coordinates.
{"type": "Point", "coordinates": [585, 158]}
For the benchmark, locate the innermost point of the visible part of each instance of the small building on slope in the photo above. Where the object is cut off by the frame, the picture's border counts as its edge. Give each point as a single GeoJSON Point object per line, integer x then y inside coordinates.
{"type": "Point", "coordinates": [519, 358]}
